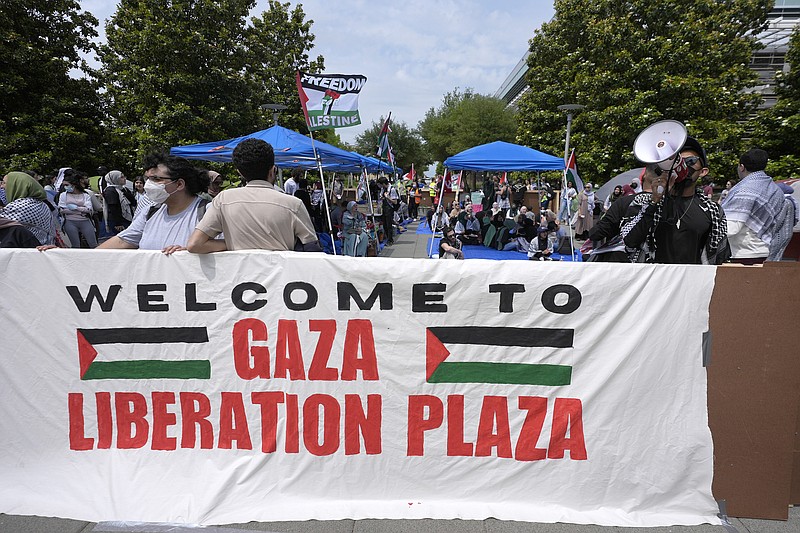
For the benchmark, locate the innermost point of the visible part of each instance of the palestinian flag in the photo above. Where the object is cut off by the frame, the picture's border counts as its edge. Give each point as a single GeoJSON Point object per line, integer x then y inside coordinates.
{"type": "Point", "coordinates": [383, 139]}
{"type": "Point", "coordinates": [572, 172]}
{"type": "Point", "coordinates": [330, 100]}
{"type": "Point", "coordinates": [410, 174]}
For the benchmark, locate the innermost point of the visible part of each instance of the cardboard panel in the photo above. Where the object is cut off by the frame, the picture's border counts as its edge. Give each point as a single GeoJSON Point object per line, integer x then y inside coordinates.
{"type": "Point", "coordinates": [753, 384]}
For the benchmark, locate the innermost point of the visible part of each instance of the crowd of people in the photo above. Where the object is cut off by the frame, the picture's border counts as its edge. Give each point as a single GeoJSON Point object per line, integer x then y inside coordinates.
{"type": "Point", "coordinates": [659, 217]}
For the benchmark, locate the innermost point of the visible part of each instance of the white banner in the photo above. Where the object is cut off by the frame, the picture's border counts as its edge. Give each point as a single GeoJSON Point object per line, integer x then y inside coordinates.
{"type": "Point", "coordinates": [263, 386]}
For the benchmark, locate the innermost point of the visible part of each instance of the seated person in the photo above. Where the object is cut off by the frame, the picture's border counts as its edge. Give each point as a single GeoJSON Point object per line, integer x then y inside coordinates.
{"type": "Point", "coordinates": [449, 245]}
{"type": "Point", "coordinates": [439, 220]}
{"type": "Point", "coordinates": [521, 235]}
{"type": "Point", "coordinates": [468, 228]}
{"type": "Point", "coordinates": [541, 248]}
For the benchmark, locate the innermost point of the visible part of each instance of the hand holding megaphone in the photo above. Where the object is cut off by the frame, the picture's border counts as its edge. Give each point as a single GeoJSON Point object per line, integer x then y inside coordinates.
{"type": "Point", "coordinates": [661, 143]}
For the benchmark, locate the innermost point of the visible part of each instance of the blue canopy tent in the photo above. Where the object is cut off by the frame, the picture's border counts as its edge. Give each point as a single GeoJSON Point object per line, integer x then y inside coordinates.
{"type": "Point", "coordinates": [503, 156]}
{"type": "Point", "coordinates": [292, 150]}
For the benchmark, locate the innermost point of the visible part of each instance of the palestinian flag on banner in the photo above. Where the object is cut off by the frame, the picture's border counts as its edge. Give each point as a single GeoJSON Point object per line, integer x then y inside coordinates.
{"type": "Point", "coordinates": [572, 172]}
{"type": "Point", "coordinates": [457, 183]}
{"type": "Point", "coordinates": [383, 139]}
{"type": "Point", "coordinates": [330, 100]}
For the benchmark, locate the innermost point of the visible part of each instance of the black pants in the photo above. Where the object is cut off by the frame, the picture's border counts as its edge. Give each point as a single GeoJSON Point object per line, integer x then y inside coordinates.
{"type": "Point", "coordinates": [387, 219]}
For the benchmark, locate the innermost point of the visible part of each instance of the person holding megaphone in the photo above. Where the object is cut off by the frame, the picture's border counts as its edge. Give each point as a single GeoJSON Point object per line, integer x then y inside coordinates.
{"type": "Point", "coordinates": [678, 225]}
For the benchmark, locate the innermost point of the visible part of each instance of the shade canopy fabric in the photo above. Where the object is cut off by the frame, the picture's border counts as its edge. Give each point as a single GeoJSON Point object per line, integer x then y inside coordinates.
{"type": "Point", "coordinates": [292, 150]}
{"type": "Point", "coordinates": [503, 156]}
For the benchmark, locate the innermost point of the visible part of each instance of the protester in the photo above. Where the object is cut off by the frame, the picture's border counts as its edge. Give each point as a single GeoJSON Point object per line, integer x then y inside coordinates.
{"type": "Point", "coordinates": [75, 204]}
{"type": "Point", "coordinates": [566, 211]}
{"type": "Point", "coordinates": [725, 192]}
{"type": "Point", "coordinates": [541, 247]}
{"type": "Point", "coordinates": [681, 226]}
{"type": "Point", "coordinates": [757, 212]}
{"type": "Point", "coordinates": [15, 235]}
{"type": "Point", "coordinates": [390, 200]}
{"type": "Point", "coordinates": [354, 229]}
{"type": "Point", "coordinates": [439, 220]}
{"type": "Point", "coordinates": [468, 228]}
{"type": "Point", "coordinates": [215, 182]}
{"type": "Point", "coordinates": [615, 195]}
{"type": "Point", "coordinates": [585, 214]}
{"type": "Point", "coordinates": [290, 185]}
{"type": "Point", "coordinates": [172, 185]}
{"type": "Point", "coordinates": [27, 204]}
{"type": "Point", "coordinates": [449, 245]}
{"type": "Point", "coordinates": [119, 203]}
{"type": "Point", "coordinates": [255, 216]}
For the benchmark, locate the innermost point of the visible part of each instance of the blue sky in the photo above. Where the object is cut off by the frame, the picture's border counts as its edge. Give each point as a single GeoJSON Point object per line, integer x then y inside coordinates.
{"type": "Point", "coordinates": [412, 51]}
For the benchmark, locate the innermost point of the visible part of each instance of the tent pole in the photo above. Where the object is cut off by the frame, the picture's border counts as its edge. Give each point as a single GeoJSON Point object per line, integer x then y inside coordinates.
{"type": "Point", "coordinates": [324, 193]}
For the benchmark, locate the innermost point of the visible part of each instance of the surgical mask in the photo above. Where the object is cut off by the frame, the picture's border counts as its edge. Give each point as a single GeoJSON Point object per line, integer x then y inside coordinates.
{"type": "Point", "coordinates": [69, 188]}
{"type": "Point", "coordinates": [156, 192]}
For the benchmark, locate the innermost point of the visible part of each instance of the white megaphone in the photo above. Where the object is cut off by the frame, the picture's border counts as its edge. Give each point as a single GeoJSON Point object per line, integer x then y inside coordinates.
{"type": "Point", "coordinates": [661, 143]}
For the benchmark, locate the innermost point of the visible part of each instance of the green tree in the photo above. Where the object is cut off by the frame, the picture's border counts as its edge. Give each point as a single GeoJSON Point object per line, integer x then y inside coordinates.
{"type": "Point", "coordinates": [174, 73]}
{"type": "Point", "coordinates": [406, 144]}
{"type": "Point", "coordinates": [277, 47]}
{"type": "Point", "coordinates": [465, 119]}
{"type": "Point", "coordinates": [48, 118]}
{"type": "Point", "coordinates": [777, 128]}
{"type": "Point", "coordinates": [634, 62]}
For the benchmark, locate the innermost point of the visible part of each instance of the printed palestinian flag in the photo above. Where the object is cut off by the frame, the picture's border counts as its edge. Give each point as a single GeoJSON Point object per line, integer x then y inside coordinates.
{"type": "Point", "coordinates": [481, 354]}
{"type": "Point", "coordinates": [457, 182]}
{"type": "Point", "coordinates": [572, 172]}
{"type": "Point", "coordinates": [383, 139]}
{"type": "Point", "coordinates": [330, 100]}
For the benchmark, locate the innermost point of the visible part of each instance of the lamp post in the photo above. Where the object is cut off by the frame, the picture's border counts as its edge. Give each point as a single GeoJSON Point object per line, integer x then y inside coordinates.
{"type": "Point", "coordinates": [569, 108]}
{"type": "Point", "coordinates": [276, 110]}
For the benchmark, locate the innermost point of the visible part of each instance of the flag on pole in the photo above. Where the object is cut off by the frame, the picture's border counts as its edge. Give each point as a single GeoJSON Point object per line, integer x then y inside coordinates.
{"type": "Point", "coordinates": [390, 156]}
{"type": "Point", "coordinates": [410, 174]}
{"type": "Point", "coordinates": [504, 178]}
{"type": "Point", "coordinates": [383, 139]}
{"type": "Point", "coordinates": [457, 186]}
{"type": "Point", "coordinates": [572, 172]}
{"type": "Point", "coordinates": [330, 100]}
{"type": "Point", "coordinates": [361, 190]}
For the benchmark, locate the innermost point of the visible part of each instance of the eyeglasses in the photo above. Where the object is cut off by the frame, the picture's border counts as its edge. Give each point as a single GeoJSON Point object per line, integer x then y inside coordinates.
{"type": "Point", "coordinates": [159, 179]}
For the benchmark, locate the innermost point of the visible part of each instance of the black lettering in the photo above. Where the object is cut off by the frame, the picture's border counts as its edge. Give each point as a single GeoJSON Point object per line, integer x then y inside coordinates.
{"type": "Point", "coordinates": [148, 301]}
{"type": "Point", "coordinates": [422, 301]}
{"type": "Point", "coordinates": [347, 292]}
{"type": "Point", "coordinates": [191, 300]}
{"type": "Point", "coordinates": [239, 290]}
{"type": "Point", "coordinates": [311, 296]}
{"type": "Point", "coordinates": [573, 299]}
{"type": "Point", "coordinates": [507, 291]}
{"type": "Point", "coordinates": [84, 305]}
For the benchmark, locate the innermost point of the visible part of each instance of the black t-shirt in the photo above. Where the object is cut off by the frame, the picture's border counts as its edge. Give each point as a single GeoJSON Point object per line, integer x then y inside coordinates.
{"type": "Point", "coordinates": [683, 232]}
{"type": "Point", "coordinates": [456, 244]}
{"type": "Point", "coordinates": [17, 237]}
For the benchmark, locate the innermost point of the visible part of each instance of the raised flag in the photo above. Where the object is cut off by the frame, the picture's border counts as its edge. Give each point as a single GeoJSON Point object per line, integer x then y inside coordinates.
{"type": "Point", "coordinates": [330, 100]}
{"type": "Point", "coordinates": [457, 186]}
{"type": "Point", "coordinates": [410, 174]}
{"type": "Point", "coordinates": [383, 139]}
{"type": "Point", "coordinates": [504, 178]}
{"type": "Point", "coordinates": [572, 172]}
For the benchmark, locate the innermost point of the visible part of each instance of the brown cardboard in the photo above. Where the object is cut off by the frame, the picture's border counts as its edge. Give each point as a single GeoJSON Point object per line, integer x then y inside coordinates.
{"type": "Point", "coordinates": [753, 384]}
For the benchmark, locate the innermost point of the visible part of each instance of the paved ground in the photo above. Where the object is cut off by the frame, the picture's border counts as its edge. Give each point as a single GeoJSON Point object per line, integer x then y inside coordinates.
{"type": "Point", "coordinates": [407, 245]}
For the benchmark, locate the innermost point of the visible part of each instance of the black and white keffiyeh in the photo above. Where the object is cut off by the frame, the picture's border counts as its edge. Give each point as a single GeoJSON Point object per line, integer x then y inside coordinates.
{"type": "Point", "coordinates": [757, 202]}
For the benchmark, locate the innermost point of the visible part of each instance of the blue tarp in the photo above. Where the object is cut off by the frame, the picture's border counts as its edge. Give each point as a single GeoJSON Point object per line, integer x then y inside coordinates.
{"type": "Point", "coordinates": [503, 156]}
{"type": "Point", "coordinates": [292, 150]}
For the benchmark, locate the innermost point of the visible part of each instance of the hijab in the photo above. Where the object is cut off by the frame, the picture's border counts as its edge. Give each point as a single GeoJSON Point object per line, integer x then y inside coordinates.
{"type": "Point", "coordinates": [20, 185]}
{"type": "Point", "coordinates": [116, 179]}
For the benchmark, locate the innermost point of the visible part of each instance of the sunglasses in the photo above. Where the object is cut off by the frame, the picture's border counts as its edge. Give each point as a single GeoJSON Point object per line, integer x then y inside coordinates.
{"type": "Point", "coordinates": [691, 160]}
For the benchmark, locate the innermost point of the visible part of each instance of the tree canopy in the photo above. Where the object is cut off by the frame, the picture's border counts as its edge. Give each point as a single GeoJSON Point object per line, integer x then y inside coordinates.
{"type": "Point", "coordinates": [466, 119]}
{"type": "Point", "coordinates": [181, 72]}
{"type": "Point", "coordinates": [634, 62]}
{"type": "Point", "coordinates": [47, 117]}
{"type": "Point", "coordinates": [406, 144]}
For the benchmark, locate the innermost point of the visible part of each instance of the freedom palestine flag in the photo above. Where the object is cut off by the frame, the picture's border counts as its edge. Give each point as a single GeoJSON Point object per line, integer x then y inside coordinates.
{"type": "Point", "coordinates": [572, 172]}
{"type": "Point", "coordinates": [330, 100]}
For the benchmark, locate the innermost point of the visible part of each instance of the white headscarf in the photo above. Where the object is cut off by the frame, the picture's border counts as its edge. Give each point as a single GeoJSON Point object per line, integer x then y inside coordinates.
{"type": "Point", "coordinates": [116, 179]}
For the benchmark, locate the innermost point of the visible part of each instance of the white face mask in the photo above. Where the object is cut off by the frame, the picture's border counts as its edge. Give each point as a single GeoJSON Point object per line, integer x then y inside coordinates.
{"type": "Point", "coordinates": [156, 192]}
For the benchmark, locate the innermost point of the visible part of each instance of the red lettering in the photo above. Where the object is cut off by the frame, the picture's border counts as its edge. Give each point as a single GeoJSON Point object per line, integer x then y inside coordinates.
{"type": "Point", "coordinates": [455, 428]}
{"type": "Point", "coordinates": [132, 427]}
{"type": "Point", "coordinates": [244, 354]}
{"type": "Point", "coordinates": [292, 424]}
{"type": "Point", "coordinates": [367, 424]}
{"type": "Point", "coordinates": [494, 413]}
{"type": "Point", "coordinates": [289, 357]}
{"type": "Point", "coordinates": [269, 418]}
{"type": "Point", "coordinates": [77, 438]}
{"type": "Point", "coordinates": [319, 369]}
{"type": "Point", "coordinates": [526, 450]}
{"type": "Point", "coordinates": [359, 333]}
{"type": "Point", "coordinates": [105, 423]}
{"type": "Point", "coordinates": [233, 422]}
{"type": "Point", "coordinates": [418, 423]}
{"type": "Point", "coordinates": [163, 419]}
{"type": "Point", "coordinates": [330, 426]}
{"type": "Point", "coordinates": [567, 418]}
{"type": "Point", "coordinates": [196, 417]}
